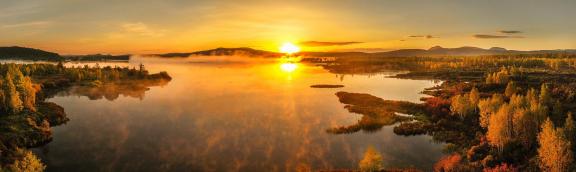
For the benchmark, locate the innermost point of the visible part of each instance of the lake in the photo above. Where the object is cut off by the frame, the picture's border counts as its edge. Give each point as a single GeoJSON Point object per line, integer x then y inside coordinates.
{"type": "Point", "coordinates": [228, 114]}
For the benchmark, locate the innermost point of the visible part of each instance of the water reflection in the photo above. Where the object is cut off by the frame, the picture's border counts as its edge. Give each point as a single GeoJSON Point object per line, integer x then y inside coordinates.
{"type": "Point", "coordinates": [134, 89]}
{"type": "Point", "coordinates": [231, 117]}
{"type": "Point", "coordinates": [288, 67]}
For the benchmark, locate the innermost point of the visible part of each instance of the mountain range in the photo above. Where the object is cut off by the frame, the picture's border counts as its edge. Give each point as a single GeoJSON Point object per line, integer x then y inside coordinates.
{"type": "Point", "coordinates": [434, 51]}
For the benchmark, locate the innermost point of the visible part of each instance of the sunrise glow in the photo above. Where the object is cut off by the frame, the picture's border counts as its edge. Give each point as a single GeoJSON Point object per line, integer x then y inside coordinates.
{"type": "Point", "coordinates": [288, 67]}
{"type": "Point", "coordinates": [289, 48]}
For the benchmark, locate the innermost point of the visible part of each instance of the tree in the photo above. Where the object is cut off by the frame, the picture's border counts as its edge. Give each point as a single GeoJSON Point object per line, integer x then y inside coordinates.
{"type": "Point", "coordinates": [474, 96]}
{"type": "Point", "coordinates": [555, 152]}
{"type": "Point", "coordinates": [372, 161]}
{"type": "Point", "coordinates": [518, 101]}
{"type": "Point", "coordinates": [511, 89]}
{"type": "Point", "coordinates": [525, 126]}
{"type": "Point", "coordinates": [3, 106]}
{"type": "Point", "coordinates": [500, 127]}
{"type": "Point", "coordinates": [570, 130]}
{"type": "Point", "coordinates": [28, 94]}
{"type": "Point", "coordinates": [545, 97]}
{"type": "Point", "coordinates": [12, 97]}
{"type": "Point", "coordinates": [461, 105]}
{"type": "Point", "coordinates": [28, 162]}
{"type": "Point", "coordinates": [532, 97]}
{"type": "Point", "coordinates": [489, 106]}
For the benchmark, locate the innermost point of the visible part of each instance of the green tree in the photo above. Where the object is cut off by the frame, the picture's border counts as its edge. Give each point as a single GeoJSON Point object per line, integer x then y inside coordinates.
{"type": "Point", "coordinates": [372, 161]}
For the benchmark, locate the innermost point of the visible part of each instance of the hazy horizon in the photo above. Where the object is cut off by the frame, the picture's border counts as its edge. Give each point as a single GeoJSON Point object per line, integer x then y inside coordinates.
{"type": "Point", "coordinates": [144, 27]}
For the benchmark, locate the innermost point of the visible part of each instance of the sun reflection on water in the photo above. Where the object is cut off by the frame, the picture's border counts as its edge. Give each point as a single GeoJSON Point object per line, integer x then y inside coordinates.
{"type": "Point", "coordinates": [288, 67]}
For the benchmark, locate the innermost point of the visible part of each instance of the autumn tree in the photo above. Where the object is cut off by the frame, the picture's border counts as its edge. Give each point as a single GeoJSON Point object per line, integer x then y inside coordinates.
{"type": "Point", "coordinates": [555, 152]}
{"type": "Point", "coordinates": [511, 89]}
{"type": "Point", "coordinates": [464, 104]}
{"type": "Point", "coordinates": [474, 96]}
{"type": "Point", "coordinates": [372, 161]}
{"type": "Point", "coordinates": [11, 95]}
{"type": "Point", "coordinates": [27, 93]}
{"type": "Point", "coordinates": [500, 128]}
{"type": "Point", "coordinates": [570, 130]}
{"type": "Point", "coordinates": [525, 126]}
{"type": "Point", "coordinates": [545, 97]}
{"type": "Point", "coordinates": [489, 106]}
{"type": "Point", "coordinates": [3, 107]}
{"type": "Point", "coordinates": [27, 162]}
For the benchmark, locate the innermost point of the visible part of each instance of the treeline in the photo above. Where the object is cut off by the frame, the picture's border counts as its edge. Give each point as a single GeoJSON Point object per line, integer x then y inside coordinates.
{"type": "Point", "coordinates": [22, 53]}
{"type": "Point", "coordinates": [25, 119]}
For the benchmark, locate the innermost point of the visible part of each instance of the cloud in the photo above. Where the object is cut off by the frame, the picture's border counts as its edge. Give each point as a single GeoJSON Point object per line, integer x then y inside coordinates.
{"type": "Point", "coordinates": [484, 36]}
{"type": "Point", "coordinates": [422, 36]}
{"type": "Point", "coordinates": [322, 44]}
{"type": "Point", "coordinates": [141, 29]}
{"type": "Point", "coordinates": [27, 24]}
{"type": "Point", "coordinates": [510, 31]}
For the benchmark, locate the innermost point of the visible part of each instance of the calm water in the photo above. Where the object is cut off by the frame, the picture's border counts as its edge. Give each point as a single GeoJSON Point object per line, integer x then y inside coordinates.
{"type": "Point", "coordinates": [230, 116]}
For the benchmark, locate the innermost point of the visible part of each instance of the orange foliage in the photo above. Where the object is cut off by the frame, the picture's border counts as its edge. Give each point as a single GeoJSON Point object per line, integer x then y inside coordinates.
{"type": "Point", "coordinates": [448, 163]}
{"type": "Point", "coordinates": [502, 168]}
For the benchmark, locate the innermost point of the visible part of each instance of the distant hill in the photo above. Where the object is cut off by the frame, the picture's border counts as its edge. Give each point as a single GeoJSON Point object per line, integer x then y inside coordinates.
{"type": "Point", "coordinates": [433, 51]}
{"type": "Point", "coordinates": [248, 52]}
{"type": "Point", "coordinates": [22, 53]}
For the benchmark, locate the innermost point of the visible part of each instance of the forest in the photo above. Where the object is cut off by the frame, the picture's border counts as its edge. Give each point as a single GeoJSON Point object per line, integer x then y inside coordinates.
{"type": "Point", "coordinates": [494, 113]}
{"type": "Point", "coordinates": [25, 118]}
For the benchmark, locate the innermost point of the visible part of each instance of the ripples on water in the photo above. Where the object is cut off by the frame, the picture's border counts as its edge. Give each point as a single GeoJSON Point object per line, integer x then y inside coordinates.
{"type": "Point", "coordinates": [230, 115]}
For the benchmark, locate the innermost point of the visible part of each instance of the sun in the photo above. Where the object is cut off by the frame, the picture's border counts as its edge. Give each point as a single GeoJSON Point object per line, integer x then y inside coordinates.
{"type": "Point", "coordinates": [289, 48]}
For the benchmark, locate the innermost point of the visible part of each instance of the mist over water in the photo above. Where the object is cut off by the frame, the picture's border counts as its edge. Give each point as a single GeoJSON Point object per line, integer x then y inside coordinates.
{"type": "Point", "coordinates": [230, 114]}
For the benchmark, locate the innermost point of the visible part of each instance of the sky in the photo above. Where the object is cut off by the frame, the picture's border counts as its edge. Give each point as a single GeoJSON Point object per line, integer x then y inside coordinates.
{"type": "Point", "coordinates": [160, 26]}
